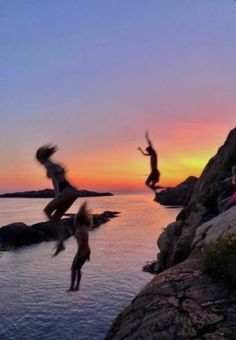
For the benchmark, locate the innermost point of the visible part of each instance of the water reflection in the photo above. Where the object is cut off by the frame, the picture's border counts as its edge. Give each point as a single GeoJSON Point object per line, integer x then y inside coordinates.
{"type": "Point", "coordinates": [34, 302]}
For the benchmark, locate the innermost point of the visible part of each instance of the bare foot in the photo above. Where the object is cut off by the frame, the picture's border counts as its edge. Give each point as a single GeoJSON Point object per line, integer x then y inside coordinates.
{"type": "Point", "coordinates": [60, 247]}
{"type": "Point", "coordinates": [70, 290]}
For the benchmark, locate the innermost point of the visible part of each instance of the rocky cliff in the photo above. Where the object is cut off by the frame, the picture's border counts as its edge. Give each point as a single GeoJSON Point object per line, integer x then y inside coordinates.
{"type": "Point", "coordinates": [182, 302]}
{"type": "Point", "coordinates": [213, 185]}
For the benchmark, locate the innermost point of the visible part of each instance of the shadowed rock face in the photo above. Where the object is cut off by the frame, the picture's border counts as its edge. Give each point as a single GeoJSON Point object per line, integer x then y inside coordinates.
{"type": "Point", "coordinates": [178, 195]}
{"type": "Point", "coordinates": [213, 185]}
{"type": "Point", "coordinates": [180, 303]}
{"type": "Point", "coordinates": [19, 234]}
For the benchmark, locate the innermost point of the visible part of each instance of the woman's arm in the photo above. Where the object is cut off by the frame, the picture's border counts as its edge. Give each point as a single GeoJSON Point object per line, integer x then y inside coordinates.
{"type": "Point", "coordinates": [145, 154]}
{"type": "Point", "coordinates": [148, 139]}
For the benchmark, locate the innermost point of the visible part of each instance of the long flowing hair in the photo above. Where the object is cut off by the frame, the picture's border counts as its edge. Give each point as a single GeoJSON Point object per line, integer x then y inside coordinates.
{"type": "Point", "coordinates": [83, 217]}
{"type": "Point", "coordinates": [45, 151]}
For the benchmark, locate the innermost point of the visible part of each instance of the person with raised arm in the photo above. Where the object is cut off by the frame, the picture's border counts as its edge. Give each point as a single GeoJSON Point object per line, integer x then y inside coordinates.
{"type": "Point", "coordinates": [154, 176]}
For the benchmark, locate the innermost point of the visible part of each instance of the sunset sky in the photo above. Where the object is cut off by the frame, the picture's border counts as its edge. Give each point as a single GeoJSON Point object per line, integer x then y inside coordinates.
{"type": "Point", "coordinates": [93, 76]}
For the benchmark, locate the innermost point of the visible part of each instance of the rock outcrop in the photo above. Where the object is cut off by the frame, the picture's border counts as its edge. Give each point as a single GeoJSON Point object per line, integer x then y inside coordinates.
{"type": "Point", "coordinates": [179, 195]}
{"type": "Point", "coordinates": [180, 303]}
{"type": "Point", "coordinates": [49, 193]}
{"type": "Point", "coordinates": [215, 229]}
{"type": "Point", "coordinates": [213, 185]}
{"type": "Point", "coordinates": [19, 234]}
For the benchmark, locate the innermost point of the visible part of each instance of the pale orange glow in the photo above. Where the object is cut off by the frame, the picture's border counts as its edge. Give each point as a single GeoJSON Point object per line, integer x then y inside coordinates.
{"type": "Point", "coordinates": [183, 151]}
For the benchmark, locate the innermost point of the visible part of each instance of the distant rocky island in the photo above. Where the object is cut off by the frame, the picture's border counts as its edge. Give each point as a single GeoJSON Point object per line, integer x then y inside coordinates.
{"type": "Point", "coordinates": [49, 193]}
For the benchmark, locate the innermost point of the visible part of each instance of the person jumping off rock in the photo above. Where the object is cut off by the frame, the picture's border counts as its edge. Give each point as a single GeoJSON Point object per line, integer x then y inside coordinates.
{"type": "Point", "coordinates": [154, 176]}
{"type": "Point", "coordinates": [65, 193]}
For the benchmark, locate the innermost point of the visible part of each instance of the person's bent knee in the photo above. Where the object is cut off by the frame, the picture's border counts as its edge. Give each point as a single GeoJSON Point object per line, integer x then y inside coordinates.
{"type": "Point", "coordinates": [47, 213]}
{"type": "Point", "coordinates": [52, 217]}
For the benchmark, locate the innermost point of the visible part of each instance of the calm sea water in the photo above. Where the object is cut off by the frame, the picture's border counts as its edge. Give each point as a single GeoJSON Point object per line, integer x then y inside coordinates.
{"type": "Point", "coordinates": [34, 303]}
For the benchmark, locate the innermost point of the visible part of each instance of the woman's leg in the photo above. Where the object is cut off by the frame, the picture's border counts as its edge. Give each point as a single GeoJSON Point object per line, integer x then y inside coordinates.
{"type": "Point", "coordinates": [51, 207]}
{"type": "Point", "coordinates": [55, 210]}
{"type": "Point", "coordinates": [80, 262]}
{"type": "Point", "coordinates": [52, 211]}
{"type": "Point", "coordinates": [73, 273]}
{"type": "Point", "coordinates": [56, 219]}
{"type": "Point", "coordinates": [148, 181]}
{"type": "Point", "coordinates": [78, 279]}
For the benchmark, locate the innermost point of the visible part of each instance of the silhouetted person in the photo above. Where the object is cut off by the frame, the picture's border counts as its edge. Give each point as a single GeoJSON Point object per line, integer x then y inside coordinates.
{"type": "Point", "coordinates": [229, 201]}
{"type": "Point", "coordinates": [154, 176]}
{"type": "Point", "coordinates": [83, 221]}
{"type": "Point", "coordinates": [65, 193]}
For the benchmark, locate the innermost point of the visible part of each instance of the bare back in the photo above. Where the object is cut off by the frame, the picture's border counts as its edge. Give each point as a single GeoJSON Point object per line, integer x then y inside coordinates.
{"type": "Point", "coordinates": [81, 235]}
{"type": "Point", "coordinates": [56, 172]}
{"type": "Point", "coordinates": [153, 160]}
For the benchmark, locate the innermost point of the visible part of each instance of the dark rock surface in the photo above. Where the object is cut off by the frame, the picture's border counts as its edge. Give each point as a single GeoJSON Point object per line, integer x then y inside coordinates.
{"type": "Point", "coordinates": [19, 234]}
{"type": "Point", "coordinates": [49, 193]}
{"type": "Point", "coordinates": [179, 195]}
{"type": "Point", "coordinates": [180, 303]}
{"type": "Point", "coordinates": [214, 184]}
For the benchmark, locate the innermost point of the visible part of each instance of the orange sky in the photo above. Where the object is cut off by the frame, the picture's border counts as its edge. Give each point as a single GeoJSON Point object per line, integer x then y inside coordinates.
{"type": "Point", "coordinates": [183, 151]}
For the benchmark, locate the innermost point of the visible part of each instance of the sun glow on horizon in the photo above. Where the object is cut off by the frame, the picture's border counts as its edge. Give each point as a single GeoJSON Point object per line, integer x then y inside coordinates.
{"type": "Point", "coordinates": [117, 174]}
{"type": "Point", "coordinates": [122, 167]}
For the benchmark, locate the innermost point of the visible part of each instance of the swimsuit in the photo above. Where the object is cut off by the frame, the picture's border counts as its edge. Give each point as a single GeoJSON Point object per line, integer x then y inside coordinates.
{"type": "Point", "coordinates": [154, 176]}
{"type": "Point", "coordinates": [63, 184]}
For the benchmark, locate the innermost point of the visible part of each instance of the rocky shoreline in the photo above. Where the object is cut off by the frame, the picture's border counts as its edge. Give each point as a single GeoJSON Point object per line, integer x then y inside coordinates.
{"type": "Point", "coordinates": [177, 196]}
{"type": "Point", "coordinates": [182, 302]}
{"type": "Point", "coordinates": [19, 234]}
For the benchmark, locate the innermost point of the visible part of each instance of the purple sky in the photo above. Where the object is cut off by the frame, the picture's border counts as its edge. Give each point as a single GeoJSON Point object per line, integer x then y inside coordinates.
{"type": "Point", "coordinates": [92, 76]}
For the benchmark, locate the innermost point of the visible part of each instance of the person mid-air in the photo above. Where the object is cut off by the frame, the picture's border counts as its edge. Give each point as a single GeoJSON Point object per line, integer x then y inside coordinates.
{"type": "Point", "coordinates": [154, 176]}
{"type": "Point", "coordinates": [65, 193]}
{"type": "Point", "coordinates": [83, 221]}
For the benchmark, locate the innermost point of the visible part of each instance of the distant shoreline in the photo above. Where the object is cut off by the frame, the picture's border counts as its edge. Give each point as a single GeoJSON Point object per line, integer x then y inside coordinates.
{"type": "Point", "coordinates": [49, 193]}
